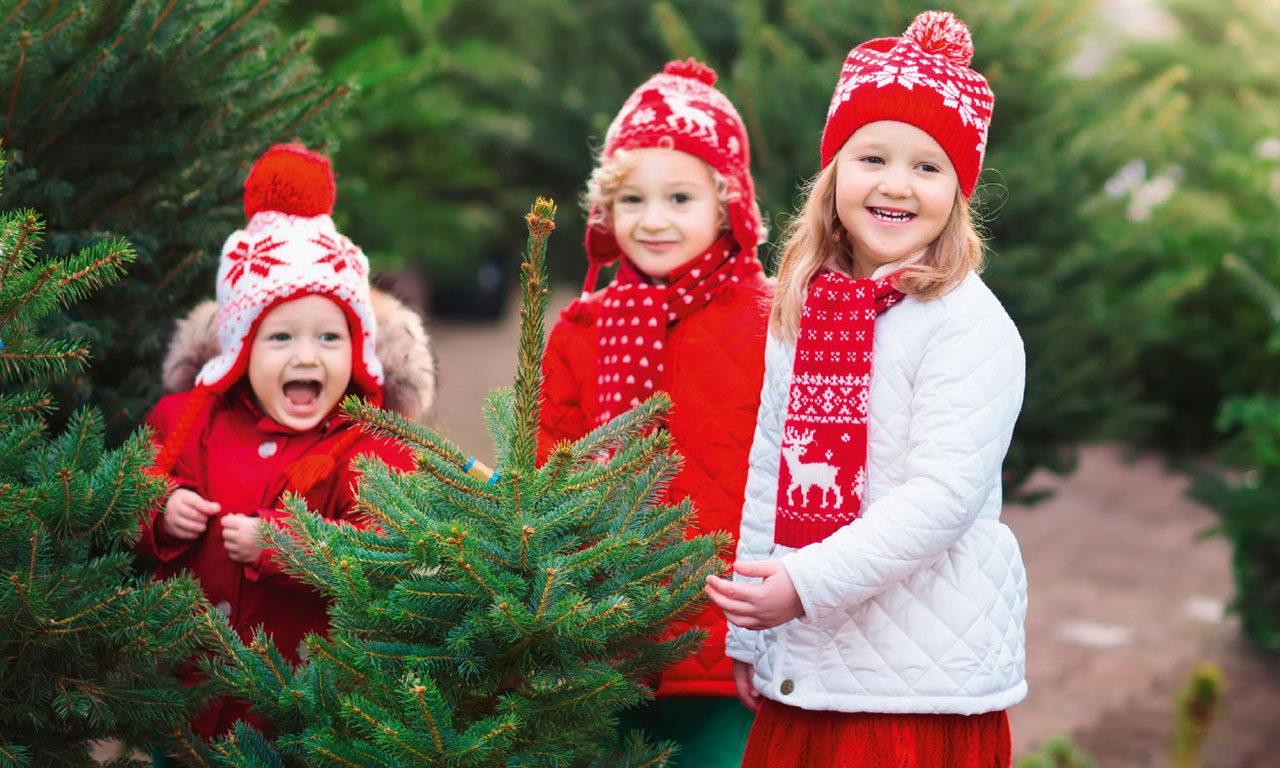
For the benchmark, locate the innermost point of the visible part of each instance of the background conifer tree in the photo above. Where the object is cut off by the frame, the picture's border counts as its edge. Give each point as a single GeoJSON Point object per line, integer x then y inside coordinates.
{"type": "Point", "coordinates": [483, 623]}
{"type": "Point", "coordinates": [138, 119]}
{"type": "Point", "coordinates": [85, 644]}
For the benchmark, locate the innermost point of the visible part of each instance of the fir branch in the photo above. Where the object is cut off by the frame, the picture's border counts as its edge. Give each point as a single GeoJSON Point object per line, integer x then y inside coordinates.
{"type": "Point", "coordinates": [160, 17]}
{"type": "Point", "coordinates": [623, 465]}
{"type": "Point", "coordinates": [234, 25]}
{"type": "Point", "coordinates": [341, 92]}
{"type": "Point", "coordinates": [395, 425]}
{"type": "Point", "coordinates": [428, 716]}
{"type": "Point", "coordinates": [17, 81]}
{"type": "Point", "coordinates": [43, 128]}
{"type": "Point", "coordinates": [455, 483]}
{"type": "Point", "coordinates": [41, 279]}
{"type": "Point", "coordinates": [29, 228]}
{"type": "Point", "coordinates": [546, 591]}
{"type": "Point", "coordinates": [14, 12]}
{"type": "Point", "coordinates": [389, 732]}
{"type": "Point", "coordinates": [192, 34]}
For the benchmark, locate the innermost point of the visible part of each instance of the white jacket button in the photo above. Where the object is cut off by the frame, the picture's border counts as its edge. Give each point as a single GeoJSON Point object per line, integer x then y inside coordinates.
{"type": "Point", "coordinates": [268, 449]}
{"type": "Point", "coordinates": [787, 687]}
{"type": "Point", "coordinates": [223, 607]}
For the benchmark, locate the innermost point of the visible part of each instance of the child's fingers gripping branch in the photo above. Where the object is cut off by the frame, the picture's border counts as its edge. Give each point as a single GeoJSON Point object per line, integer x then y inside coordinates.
{"type": "Point", "coordinates": [766, 604]}
{"type": "Point", "coordinates": [186, 514]}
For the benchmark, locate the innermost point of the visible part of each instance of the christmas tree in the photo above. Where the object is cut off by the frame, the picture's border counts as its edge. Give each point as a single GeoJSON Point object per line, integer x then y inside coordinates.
{"type": "Point", "coordinates": [482, 622]}
{"type": "Point", "coordinates": [138, 119]}
{"type": "Point", "coordinates": [86, 646]}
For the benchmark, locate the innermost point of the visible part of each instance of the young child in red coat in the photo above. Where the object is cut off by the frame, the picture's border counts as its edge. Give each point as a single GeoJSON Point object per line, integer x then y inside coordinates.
{"type": "Point", "coordinates": [295, 332]}
{"type": "Point", "coordinates": [673, 201]}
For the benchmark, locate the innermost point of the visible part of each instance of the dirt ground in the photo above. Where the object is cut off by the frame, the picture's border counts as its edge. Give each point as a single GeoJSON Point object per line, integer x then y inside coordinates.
{"type": "Point", "coordinates": [1124, 600]}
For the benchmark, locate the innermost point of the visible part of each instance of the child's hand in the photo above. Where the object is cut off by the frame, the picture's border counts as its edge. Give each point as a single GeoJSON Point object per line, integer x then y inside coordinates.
{"type": "Point", "coordinates": [186, 514]}
{"type": "Point", "coordinates": [747, 693]}
{"type": "Point", "coordinates": [240, 536]}
{"type": "Point", "coordinates": [756, 606]}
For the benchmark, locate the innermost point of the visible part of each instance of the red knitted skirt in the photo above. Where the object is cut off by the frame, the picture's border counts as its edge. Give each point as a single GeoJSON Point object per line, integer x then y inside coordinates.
{"type": "Point", "coordinates": [789, 737]}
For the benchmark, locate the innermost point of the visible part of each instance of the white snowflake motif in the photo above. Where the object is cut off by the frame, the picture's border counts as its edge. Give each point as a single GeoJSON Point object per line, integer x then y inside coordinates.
{"type": "Point", "coordinates": [339, 254]}
{"type": "Point", "coordinates": [843, 92]}
{"type": "Point", "coordinates": [861, 403]}
{"type": "Point", "coordinates": [908, 77]}
{"type": "Point", "coordinates": [959, 101]}
{"type": "Point", "coordinates": [643, 116]}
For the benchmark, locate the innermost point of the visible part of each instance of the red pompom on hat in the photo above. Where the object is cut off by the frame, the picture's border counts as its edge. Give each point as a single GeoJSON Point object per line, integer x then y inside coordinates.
{"type": "Point", "coordinates": [291, 179]}
{"type": "Point", "coordinates": [922, 79]}
{"type": "Point", "coordinates": [680, 108]}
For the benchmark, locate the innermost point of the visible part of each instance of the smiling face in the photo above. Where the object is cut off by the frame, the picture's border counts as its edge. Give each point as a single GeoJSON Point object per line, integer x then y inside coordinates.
{"type": "Point", "coordinates": [300, 361]}
{"type": "Point", "coordinates": [895, 189]}
{"type": "Point", "coordinates": [666, 211]}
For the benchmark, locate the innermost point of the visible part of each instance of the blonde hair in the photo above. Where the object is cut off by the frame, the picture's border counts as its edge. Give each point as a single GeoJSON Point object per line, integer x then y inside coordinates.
{"type": "Point", "coordinates": [816, 240]}
{"type": "Point", "coordinates": [608, 174]}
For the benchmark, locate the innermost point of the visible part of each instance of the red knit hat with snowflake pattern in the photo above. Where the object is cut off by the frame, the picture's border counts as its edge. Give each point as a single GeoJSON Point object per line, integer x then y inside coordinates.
{"type": "Point", "coordinates": [289, 249]}
{"type": "Point", "coordinates": [923, 79]}
{"type": "Point", "coordinates": [680, 108]}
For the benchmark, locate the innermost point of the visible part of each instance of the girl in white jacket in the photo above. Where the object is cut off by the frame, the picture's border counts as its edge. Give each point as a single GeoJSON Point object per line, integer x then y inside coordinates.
{"type": "Point", "coordinates": [876, 616]}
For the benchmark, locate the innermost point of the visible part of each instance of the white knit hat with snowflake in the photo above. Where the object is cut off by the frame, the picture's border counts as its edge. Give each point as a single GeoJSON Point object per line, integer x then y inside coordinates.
{"type": "Point", "coordinates": [290, 249]}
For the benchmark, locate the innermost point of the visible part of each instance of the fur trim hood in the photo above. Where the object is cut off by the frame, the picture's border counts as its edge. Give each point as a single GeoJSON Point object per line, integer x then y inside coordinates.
{"type": "Point", "coordinates": [403, 347]}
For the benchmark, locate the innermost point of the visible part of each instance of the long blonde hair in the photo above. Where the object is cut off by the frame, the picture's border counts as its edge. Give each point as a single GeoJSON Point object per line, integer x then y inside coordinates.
{"type": "Point", "coordinates": [816, 240]}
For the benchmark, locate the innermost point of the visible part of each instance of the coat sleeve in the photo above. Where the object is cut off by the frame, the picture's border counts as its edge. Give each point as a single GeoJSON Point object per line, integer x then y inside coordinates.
{"type": "Point", "coordinates": [755, 537]}
{"type": "Point", "coordinates": [155, 544]}
{"type": "Point", "coordinates": [336, 505]}
{"type": "Point", "coordinates": [563, 415]}
{"type": "Point", "coordinates": [965, 400]}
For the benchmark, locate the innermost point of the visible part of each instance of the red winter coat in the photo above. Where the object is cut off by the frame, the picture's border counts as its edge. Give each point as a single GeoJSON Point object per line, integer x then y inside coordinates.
{"type": "Point", "coordinates": [224, 462]}
{"type": "Point", "coordinates": [713, 373]}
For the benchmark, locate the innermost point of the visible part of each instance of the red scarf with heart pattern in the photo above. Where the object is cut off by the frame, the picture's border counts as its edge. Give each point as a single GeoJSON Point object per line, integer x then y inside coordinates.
{"type": "Point", "coordinates": [637, 315]}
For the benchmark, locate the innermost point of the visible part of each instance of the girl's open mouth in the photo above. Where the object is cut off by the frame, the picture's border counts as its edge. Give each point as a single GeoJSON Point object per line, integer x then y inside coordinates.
{"type": "Point", "coordinates": [891, 216]}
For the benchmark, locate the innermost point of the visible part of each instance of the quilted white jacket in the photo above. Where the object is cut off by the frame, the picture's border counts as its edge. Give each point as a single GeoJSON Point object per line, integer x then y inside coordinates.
{"type": "Point", "coordinates": [918, 604]}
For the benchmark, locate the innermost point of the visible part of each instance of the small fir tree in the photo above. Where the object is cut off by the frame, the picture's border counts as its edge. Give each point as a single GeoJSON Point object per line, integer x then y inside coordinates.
{"type": "Point", "coordinates": [86, 645]}
{"type": "Point", "coordinates": [483, 623]}
{"type": "Point", "coordinates": [138, 119]}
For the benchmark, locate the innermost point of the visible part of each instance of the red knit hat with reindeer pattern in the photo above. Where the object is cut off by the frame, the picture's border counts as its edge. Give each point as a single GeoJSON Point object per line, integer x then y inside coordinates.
{"type": "Point", "coordinates": [680, 108]}
{"type": "Point", "coordinates": [289, 249]}
{"type": "Point", "coordinates": [923, 79]}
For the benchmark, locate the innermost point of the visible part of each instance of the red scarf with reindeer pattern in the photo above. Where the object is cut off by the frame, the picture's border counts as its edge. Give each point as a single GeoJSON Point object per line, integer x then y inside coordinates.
{"type": "Point", "coordinates": [822, 474]}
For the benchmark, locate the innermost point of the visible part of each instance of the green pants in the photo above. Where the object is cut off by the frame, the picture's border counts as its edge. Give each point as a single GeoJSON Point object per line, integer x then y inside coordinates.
{"type": "Point", "coordinates": [711, 731]}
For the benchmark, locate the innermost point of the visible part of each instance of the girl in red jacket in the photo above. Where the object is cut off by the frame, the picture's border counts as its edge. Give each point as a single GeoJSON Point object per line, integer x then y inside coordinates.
{"type": "Point", "coordinates": [672, 199]}
{"type": "Point", "coordinates": [295, 332]}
